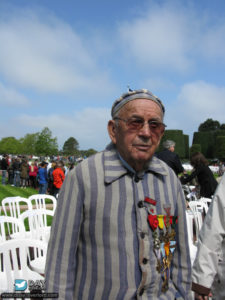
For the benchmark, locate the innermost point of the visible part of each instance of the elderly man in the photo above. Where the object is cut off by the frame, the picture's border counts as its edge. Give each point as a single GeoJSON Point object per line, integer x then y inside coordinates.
{"type": "Point", "coordinates": [120, 230]}
{"type": "Point", "coordinates": [170, 157]}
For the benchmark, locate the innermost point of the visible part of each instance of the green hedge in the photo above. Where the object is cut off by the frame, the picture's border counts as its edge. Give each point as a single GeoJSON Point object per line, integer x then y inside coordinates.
{"type": "Point", "coordinates": [181, 140]}
{"type": "Point", "coordinates": [207, 140]}
{"type": "Point", "coordinates": [186, 146]}
{"type": "Point", "coordinates": [220, 148]}
{"type": "Point", "coordinates": [195, 148]}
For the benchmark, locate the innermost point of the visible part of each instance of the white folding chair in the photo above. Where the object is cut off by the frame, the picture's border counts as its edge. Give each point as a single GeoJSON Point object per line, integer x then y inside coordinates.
{"type": "Point", "coordinates": [15, 263]}
{"type": "Point", "coordinates": [41, 201]}
{"type": "Point", "coordinates": [191, 238]}
{"type": "Point", "coordinates": [39, 221]}
{"type": "Point", "coordinates": [197, 210]}
{"type": "Point", "coordinates": [13, 206]}
{"type": "Point", "coordinates": [11, 228]}
{"type": "Point", "coordinates": [37, 257]}
{"type": "Point", "coordinates": [202, 205]}
{"type": "Point", "coordinates": [206, 200]}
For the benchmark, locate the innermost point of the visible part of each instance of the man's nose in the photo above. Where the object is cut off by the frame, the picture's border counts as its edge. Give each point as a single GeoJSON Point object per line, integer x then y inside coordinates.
{"type": "Point", "coordinates": [145, 130]}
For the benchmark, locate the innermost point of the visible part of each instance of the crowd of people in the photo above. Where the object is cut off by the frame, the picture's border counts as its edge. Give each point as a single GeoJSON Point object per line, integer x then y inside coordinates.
{"type": "Point", "coordinates": [45, 177]}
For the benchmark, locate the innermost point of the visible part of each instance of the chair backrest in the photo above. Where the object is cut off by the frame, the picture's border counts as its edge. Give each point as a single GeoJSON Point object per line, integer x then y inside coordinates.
{"type": "Point", "coordinates": [206, 200]}
{"type": "Point", "coordinates": [191, 237]}
{"type": "Point", "coordinates": [204, 205]}
{"type": "Point", "coordinates": [41, 201]}
{"type": "Point", "coordinates": [36, 250]}
{"type": "Point", "coordinates": [199, 206]}
{"type": "Point", "coordinates": [197, 210]}
{"type": "Point", "coordinates": [193, 206]}
{"type": "Point", "coordinates": [11, 228]}
{"type": "Point", "coordinates": [38, 222]}
{"type": "Point", "coordinates": [14, 259]}
{"type": "Point", "coordinates": [13, 206]}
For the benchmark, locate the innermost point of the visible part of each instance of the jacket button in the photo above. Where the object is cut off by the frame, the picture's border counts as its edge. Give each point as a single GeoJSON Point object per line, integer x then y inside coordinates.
{"type": "Point", "coordinates": [142, 235]}
{"type": "Point", "coordinates": [144, 261]}
{"type": "Point", "coordinates": [141, 292]}
{"type": "Point", "coordinates": [140, 204]}
{"type": "Point", "coordinates": [136, 179]}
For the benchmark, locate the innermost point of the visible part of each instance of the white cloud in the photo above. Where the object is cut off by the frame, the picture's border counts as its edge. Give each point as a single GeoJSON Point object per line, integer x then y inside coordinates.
{"type": "Point", "coordinates": [196, 102]}
{"type": "Point", "coordinates": [203, 99]}
{"type": "Point", "coordinates": [89, 126]}
{"type": "Point", "coordinates": [41, 52]}
{"type": "Point", "coordinates": [170, 36]}
{"type": "Point", "coordinates": [160, 38]}
{"type": "Point", "coordinates": [10, 97]}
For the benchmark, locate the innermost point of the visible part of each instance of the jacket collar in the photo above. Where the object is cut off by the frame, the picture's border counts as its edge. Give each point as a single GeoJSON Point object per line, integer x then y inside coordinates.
{"type": "Point", "coordinates": [114, 168]}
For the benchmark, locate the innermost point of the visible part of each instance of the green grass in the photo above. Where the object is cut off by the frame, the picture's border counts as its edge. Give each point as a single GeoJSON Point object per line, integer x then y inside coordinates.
{"type": "Point", "coordinates": [12, 191]}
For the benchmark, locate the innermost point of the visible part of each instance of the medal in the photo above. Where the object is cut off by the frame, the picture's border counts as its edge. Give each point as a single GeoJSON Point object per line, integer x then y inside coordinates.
{"type": "Point", "coordinates": [164, 244]}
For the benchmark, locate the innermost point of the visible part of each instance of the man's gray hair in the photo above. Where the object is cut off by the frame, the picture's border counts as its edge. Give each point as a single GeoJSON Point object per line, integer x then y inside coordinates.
{"type": "Point", "coordinates": [168, 143]}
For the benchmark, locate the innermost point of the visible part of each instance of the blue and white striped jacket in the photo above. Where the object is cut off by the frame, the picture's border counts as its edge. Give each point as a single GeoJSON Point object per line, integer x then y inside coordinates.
{"type": "Point", "coordinates": [101, 245]}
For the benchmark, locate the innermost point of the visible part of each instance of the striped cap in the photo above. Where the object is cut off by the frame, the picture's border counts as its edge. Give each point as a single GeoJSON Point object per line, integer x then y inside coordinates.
{"type": "Point", "coordinates": [132, 95]}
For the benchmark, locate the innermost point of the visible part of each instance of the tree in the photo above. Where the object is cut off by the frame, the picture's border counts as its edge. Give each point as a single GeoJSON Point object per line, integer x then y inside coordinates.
{"type": "Point", "coordinates": [209, 125]}
{"type": "Point", "coordinates": [10, 145]}
{"type": "Point", "coordinates": [195, 148]}
{"type": "Point", "coordinates": [88, 152]}
{"type": "Point", "coordinates": [28, 143]}
{"type": "Point", "coordinates": [222, 126]}
{"type": "Point", "coordinates": [70, 146]}
{"type": "Point", "coordinates": [45, 144]}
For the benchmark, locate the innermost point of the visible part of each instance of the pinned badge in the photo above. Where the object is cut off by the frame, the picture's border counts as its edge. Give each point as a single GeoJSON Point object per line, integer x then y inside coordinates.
{"type": "Point", "coordinates": [151, 201]}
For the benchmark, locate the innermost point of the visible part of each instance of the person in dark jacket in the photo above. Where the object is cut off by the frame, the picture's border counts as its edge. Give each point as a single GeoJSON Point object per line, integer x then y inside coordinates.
{"type": "Point", "coordinates": [50, 179]}
{"type": "Point", "coordinates": [4, 167]}
{"type": "Point", "coordinates": [170, 157]}
{"type": "Point", "coordinates": [11, 172]}
{"type": "Point", "coordinates": [16, 171]}
{"type": "Point", "coordinates": [204, 175]}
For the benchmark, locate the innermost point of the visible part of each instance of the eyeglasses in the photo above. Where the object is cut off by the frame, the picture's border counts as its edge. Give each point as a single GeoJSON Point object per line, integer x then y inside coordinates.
{"type": "Point", "coordinates": [138, 123]}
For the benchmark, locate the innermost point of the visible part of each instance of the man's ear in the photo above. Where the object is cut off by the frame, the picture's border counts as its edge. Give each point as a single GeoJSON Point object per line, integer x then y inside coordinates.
{"type": "Point", "coordinates": [161, 135]}
{"type": "Point", "coordinates": [112, 130]}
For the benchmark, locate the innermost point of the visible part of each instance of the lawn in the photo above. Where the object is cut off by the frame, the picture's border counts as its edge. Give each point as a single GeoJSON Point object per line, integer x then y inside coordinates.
{"type": "Point", "coordinates": [12, 191]}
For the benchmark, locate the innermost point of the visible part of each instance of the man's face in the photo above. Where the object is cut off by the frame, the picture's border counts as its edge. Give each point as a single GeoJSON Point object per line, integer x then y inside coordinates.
{"type": "Point", "coordinates": [136, 146]}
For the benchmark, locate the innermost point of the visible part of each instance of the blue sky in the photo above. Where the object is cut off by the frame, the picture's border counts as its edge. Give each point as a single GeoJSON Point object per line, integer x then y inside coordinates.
{"type": "Point", "coordinates": [63, 63]}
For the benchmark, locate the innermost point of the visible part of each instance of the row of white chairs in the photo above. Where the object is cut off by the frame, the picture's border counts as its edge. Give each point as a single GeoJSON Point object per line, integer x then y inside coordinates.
{"type": "Point", "coordinates": [195, 218]}
{"type": "Point", "coordinates": [38, 224]}
{"type": "Point", "coordinates": [31, 211]}
{"type": "Point", "coordinates": [23, 252]}
{"type": "Point", "coordinates": [17, 236]}
{"type": "Point", "coordinates": [22, 215]}
{"type": "Point", "coordinates": [21, 259]}
{"type": "Point", "coordinates": [13, 206]}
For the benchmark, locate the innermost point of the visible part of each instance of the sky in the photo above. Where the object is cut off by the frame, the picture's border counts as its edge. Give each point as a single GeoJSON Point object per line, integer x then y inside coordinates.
{"type": "Point", "coordinates": [64, 62]}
